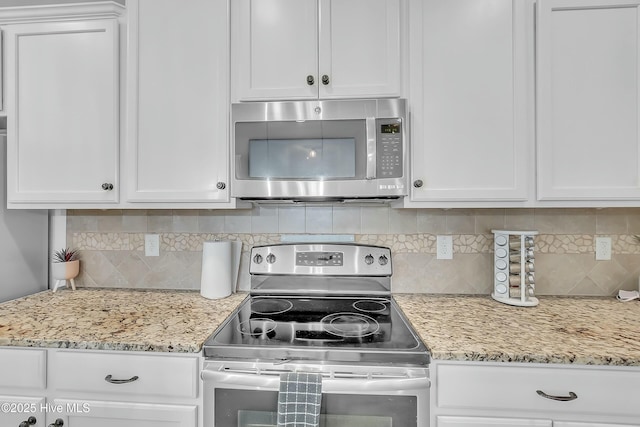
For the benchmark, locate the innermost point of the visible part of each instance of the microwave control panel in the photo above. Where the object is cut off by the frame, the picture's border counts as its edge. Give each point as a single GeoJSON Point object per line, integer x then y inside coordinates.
{"type": "Point", "coordinates": [389, 148]}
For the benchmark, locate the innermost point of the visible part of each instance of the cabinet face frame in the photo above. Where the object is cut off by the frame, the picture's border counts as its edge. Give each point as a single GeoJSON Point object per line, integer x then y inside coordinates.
{"type": "Point", "coordinates": [516, 190]}
{"type": "Point", "coordinates": [562, 160]}
{"type": "Point", "coordinates": [108, 137]}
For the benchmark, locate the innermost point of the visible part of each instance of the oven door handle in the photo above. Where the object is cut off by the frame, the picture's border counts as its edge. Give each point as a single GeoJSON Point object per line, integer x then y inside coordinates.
{"type": "Point", "coordinates": [329, 385]}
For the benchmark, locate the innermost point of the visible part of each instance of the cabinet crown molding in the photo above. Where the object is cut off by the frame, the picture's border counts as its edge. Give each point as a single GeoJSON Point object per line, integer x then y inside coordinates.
{"type": "Point", "coordinates": [57, 12]}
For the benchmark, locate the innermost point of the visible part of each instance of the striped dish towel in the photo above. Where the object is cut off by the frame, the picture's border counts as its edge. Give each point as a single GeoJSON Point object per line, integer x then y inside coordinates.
{"type": "Point", "coordinates": [299, 399]}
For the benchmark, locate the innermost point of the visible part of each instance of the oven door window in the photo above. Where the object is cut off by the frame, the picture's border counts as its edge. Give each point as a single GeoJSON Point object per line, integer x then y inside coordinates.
{"type": "Point", "coordinates": [250, 408]}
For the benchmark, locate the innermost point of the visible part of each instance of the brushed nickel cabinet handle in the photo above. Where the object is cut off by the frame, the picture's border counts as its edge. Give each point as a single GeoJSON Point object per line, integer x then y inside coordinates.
{"type": "Point", "coordinates": [57, 423]}
{"type": "Point", "coordinates": [325, 79]}
{"type": "Point", "coordinates": [110, 379]}
{"type": "Point", "coordinates": [572, 396]}
{"type": "Point", "coordinates": [310, 80]}
{"type": "Point", "coordinates": [418, 183]}
{"type": "Point", "coordinates": [107, 186]}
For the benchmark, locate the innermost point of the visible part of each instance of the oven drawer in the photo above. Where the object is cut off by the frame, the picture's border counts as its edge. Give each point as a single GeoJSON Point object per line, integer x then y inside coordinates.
{"type": "Point", "coordinates": [23, 368]}
{"type": "Point", "coordinates": [123, 373]}
{"type": "Point", "coordinates": [586, 390]}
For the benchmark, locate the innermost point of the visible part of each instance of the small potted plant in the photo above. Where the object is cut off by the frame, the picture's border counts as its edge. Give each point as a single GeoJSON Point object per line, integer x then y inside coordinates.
{"type": "Point", "coordinates": [66, 266]}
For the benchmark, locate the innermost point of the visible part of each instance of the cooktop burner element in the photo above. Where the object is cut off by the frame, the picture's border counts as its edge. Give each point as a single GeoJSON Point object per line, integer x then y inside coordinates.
{"type": "Point", "coordinates": [371, 306]}
{"type": "Point", "coordinates": [304, 306]}
{"type": "Point", "coordinates": [350, 325]}
{"type": "Point", "coordinates": [270, 306]}
{"type": "Point", "coordinates": [258, 328]}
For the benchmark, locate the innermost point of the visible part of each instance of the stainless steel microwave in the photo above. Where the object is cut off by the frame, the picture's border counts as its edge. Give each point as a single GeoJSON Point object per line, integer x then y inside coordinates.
{"type": "Point", "coordinates": [319, 150]}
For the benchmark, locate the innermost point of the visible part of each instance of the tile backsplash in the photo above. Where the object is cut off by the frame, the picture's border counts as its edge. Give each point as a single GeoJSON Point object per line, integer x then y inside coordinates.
{"type": "Point", "coordinates": [112, 244]}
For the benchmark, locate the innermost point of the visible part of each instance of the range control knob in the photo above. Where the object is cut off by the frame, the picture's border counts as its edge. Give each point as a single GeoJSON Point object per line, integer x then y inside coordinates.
{"type": "Point", "coordinates": [368, 259]}
{"type": "Point", "coordinates": [271, 258]}
{"type": "Point", "coordinates": [383, 260]}
{"type": "Point", "coordinates": [257, 258]}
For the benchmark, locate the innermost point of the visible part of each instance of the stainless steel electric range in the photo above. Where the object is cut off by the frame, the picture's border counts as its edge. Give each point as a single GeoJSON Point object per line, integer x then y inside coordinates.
{"type": "Point", "coordinates": [322, 308]}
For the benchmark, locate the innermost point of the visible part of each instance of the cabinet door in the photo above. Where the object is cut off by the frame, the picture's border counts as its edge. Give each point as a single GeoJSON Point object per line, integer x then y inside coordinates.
{"type": "Point", "coordinates": [83, 413]}
{"type": "Point", "coordinates": [588, 114]}
{"type": "Point", "coordinates": [177, 144]}
{"type": "Point", "coordinates": [62, 104]}
{"type": "Point", "coordinates": [275, 49]}
{"type": "Point", "coordinates": [16, 409]}
{"type": "Point", "coordinates": [572, 424]}
{"type": "Point", "coordinates": [470, 91]}
{"type": "Point", "coordinates": [359, 48]}
{"type": "Point", "coordinates": [444, 421]}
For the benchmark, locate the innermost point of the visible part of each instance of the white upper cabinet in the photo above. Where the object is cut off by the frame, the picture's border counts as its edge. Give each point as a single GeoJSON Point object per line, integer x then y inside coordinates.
{"type": "Point", "coordinates": [305, 49]}
{"type": "Point", "coordinates": [471, 98]}
{"type": "Point", "coordinates": [62, 111]}
{"type": "Point", "coordinates": [588, 111]}
{"type": "Point", "coordinates": [177, 97]}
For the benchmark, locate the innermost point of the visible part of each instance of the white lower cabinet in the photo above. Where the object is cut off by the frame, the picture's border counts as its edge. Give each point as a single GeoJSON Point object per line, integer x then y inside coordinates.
{"type": "Point", "coordinates": [489, 422]}
{"type": "Point", "coordinates": [109, 389]}
{"type": "Point", "coordinates": [16, 409]}
{"type": "Point", "coordinates": [446, 421]}
{"type": "Point", "coordinates": [571, 424]}
{"type": "Point", "coordinates": [528, 394]}
{"type": "Point", "coordinates": [95, 413]}
{"type": "Point", "coordinates": [22, 386]}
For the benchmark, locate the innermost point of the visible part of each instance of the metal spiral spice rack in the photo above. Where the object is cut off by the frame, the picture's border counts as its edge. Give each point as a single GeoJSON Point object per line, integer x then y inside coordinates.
{"type": "Point", "coordinates": [513, 268]}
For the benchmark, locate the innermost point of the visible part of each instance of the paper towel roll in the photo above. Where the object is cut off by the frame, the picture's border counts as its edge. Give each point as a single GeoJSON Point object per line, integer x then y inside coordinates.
{"type": "Point", "coordinates": [220, 262]}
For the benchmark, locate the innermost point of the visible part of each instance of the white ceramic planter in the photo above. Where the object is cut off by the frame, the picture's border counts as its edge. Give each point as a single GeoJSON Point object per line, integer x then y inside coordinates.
{"type": "Point", "coordinates": [63, 271]}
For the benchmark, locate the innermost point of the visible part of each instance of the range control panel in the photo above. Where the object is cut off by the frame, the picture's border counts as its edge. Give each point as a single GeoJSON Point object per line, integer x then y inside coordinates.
{"type": "Point", "coordinates": [321, 259]}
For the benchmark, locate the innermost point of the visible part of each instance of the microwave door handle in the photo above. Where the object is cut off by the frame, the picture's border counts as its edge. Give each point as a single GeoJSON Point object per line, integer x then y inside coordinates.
{"type": "Point", "coordinates": [371, 147]}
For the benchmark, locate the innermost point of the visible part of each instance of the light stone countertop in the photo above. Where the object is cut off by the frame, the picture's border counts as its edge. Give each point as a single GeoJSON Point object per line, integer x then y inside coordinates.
{"type": "Point", "coordinates": [114, 319]}
{"type": "Point", "coordinates": [576, 330]}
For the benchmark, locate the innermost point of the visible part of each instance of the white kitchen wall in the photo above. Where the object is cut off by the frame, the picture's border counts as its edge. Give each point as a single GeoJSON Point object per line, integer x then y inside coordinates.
{"type": "Point", "coordinates": [112, 244]}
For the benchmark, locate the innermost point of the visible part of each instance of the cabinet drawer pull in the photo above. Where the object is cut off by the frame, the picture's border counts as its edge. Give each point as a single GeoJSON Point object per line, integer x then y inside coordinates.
{"type": "Point", "coordinates": [572, 396]}
{"type": "Point", "coordinates": [110, 379]}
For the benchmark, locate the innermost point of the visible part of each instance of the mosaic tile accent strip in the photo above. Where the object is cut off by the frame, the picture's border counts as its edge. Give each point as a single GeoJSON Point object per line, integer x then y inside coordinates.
{"type": "Point", "coordinates": [399, 243]}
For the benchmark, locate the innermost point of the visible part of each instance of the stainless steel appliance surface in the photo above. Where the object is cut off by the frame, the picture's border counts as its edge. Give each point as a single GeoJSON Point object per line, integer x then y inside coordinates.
{"type": "Point", "coordinates": [321, 308]}
{"type": "Point", "coordinates": [320, 150]}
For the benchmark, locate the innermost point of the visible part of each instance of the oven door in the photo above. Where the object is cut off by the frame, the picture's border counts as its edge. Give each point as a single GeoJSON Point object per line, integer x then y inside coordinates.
{"type": "Point", "coordinates": [248, 396]}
